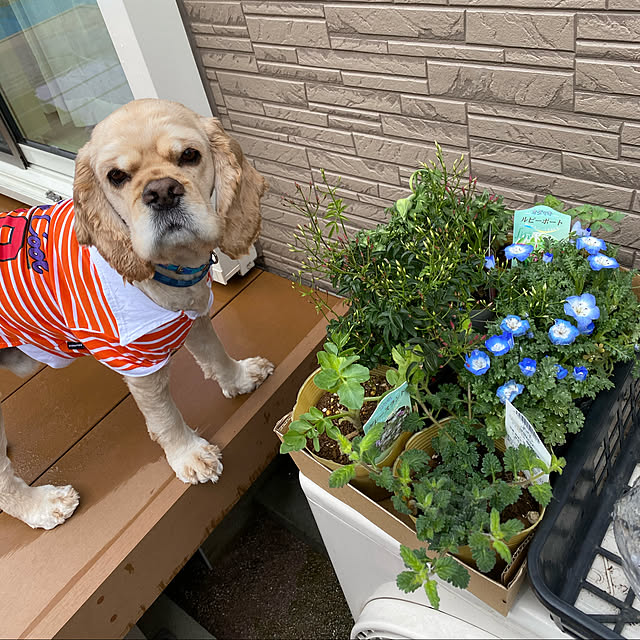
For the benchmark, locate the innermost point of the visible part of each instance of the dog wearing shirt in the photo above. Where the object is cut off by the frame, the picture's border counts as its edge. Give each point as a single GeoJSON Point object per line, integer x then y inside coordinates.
{"type": "Point", "coordinates": [120, 272]}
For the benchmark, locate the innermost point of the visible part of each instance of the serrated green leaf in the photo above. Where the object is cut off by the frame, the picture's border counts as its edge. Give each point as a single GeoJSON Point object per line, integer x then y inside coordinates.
{"type": "Point", "coordinates": [511, 460]}
{"type": "Point", "coordinates": [341, 476]}
{"type": "Point", "coordinates": [491, 465]}
{"type": "Point", "coordinates": [502, 550]}
{"type": "Point", "coordinates": [431, 589]}
{"type": "Point", "coordinates": [410, 559]}
{"type": "Point", "coordinates": [371, 437]}
{"type": "Point", "coordinates": [511, 527]}
{"type": "Point", "coordinates": [451, 571]}
{"type": "Point", "coordinates": [495, 523]}
{"type": "Point", "coordinates": [408, 581]}
{"type": "Point", "coordinates": [541, 493]}
{"type": "Point", "coordinates": [482, 552]}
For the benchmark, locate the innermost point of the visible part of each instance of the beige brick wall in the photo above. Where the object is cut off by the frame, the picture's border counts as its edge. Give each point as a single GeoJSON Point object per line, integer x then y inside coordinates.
{"type": "Point", "coordinates": [540, 95]}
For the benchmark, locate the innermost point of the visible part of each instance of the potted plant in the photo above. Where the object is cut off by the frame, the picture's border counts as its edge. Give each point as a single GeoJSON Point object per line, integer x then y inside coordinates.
{"type": "Point", "coordinates": [335, 417]}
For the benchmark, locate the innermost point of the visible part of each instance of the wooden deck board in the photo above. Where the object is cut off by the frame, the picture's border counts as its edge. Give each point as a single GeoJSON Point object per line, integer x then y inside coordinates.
{"type": "Point", "coordinates": [97, 441]}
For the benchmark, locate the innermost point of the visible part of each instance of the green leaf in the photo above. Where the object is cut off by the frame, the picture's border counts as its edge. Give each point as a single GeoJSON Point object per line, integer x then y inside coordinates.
{"type": "Point", "coordinates": [292, 441]}
{"type": "Point", "coordinates": [503, 550]}
{"type": "Point", "coordinates": [356, 372]}
{"type": "Point", "coordinates": [511, 461]}
{"type": "Point", "coordinates": [510, 528]}
{"type": "Point", "coordinates": [451, 571]}
{"type": "Point", "coordinates": [315, 413]}
{"type": "Point", "coordinates": [341, 476]}
{"type": "Point", "coordinates": [408, 581]}
{"type": "Point", "coordinates": [300, 426]}
{"type": "Point", "coordinates": [431, 589]}
{"type": "Point", "coordinates": [482, 552]}
{"type": "Point", "coordinates": [329, 347]}
{"type": "Point", "coordinates": [371, 437]}
{"type": "Point", "coordinates": [495, 523]}
{"type": "Point", "coordinates": [403, 205]}
{"type": "Point", "coordinates": [327, 379]}
{"type": "Point", "coordinates": [410, 559]}
{"type": "Point", "coordinates": [541, 493]}
{"type": "Point", "coordinates": [327, 360]}
{"type": "Point", "coordinates": [491, 465]}
{"type": "Point", "coordinates": [351, 394]}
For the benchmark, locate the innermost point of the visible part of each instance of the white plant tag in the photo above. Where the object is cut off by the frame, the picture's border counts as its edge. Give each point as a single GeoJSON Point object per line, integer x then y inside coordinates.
{"type": "Point", "coordinates": [521, 431]}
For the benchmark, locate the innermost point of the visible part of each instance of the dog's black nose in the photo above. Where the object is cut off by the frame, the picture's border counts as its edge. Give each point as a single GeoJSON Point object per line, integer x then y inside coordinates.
{"type": "Point", "coordinates": [164, 193]}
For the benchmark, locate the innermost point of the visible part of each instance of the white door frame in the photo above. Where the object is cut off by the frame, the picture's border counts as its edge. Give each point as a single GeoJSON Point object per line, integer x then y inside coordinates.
{"type": "Point", "coordinates": [154, 50]}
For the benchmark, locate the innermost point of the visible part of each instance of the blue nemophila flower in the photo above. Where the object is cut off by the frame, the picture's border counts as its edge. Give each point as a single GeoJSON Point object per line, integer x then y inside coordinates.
{"type": "Point", "coordinates": [518, 251]}
{"type": "Point", "coordinates": [509, 391]}
{"type": "Point", "coordinates": [588, 330]}
{"type": "Point", "coordinates": [579, 231]}
{"type": "Point", "coordinates": [515, 325]}
{"type": "Point", "coordinates": [527, 366]}
{"type": "Point", "coordinates": [583, 308]}
{"type": "Point", "coordinates": [563, 332]}
{"type": "Point", "coordinates": [489, 262]}
{"type": "Point", "coordinates": [499, 345]}
{"type": "Point", "coordinates": [547, 257]}
{"type": "Point", "coordinates": [561, 372]}
{"type": "Point", "coordinates": [477, 362]}
{"type": "Point", "coordinates": [600, 261]}
{"type": "Point", "coordinates": [580, 373]}
{"type": "Point", "coordinates": [529, 334]}
{"type": "Point", "coordinates": [591, 245]}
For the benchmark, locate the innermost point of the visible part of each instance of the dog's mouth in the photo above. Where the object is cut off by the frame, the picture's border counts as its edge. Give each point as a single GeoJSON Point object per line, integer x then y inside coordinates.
{"type": "Point", "coordinates": [170, 222]}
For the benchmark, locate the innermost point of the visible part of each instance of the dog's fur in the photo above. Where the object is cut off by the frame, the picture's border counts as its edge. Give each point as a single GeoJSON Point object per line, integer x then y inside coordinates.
{"type": "Point", "coordinates": [145, 139]}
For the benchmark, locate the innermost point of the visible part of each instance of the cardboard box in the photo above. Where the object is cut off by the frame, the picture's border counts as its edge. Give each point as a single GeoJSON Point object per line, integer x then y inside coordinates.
{"type": "Point", "coordinates": [491, 592]}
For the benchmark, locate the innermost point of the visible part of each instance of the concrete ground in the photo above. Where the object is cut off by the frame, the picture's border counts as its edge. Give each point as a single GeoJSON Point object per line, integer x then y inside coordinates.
{"type": "Point", "coordinates": [263, 573]}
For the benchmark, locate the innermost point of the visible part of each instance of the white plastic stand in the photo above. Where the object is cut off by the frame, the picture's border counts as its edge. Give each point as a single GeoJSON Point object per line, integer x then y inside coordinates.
{"type": "Point", "coordinates": [227, 267]}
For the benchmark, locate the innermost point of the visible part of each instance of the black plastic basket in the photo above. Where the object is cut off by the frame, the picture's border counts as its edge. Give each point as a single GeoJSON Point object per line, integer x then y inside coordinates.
{"type": "Point", "coordinates": [600, 462]}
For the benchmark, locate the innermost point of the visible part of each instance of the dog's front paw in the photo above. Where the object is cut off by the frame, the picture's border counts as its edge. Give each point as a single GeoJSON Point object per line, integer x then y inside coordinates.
{"type": "Point", "coordinates": [51, 506]}
{"type": "Point", "coordinates": [250, 374]}
{"type": "Point", "coordinates": [198, 462]}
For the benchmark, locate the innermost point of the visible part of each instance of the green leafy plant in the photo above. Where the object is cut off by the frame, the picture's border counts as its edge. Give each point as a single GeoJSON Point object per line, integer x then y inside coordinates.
{"type": "Point", "coordinates": [412, 278]}
{"type": "Point", "coordinates": [341, 374]}
{"type": "Point", "coordinates": [590, 216]}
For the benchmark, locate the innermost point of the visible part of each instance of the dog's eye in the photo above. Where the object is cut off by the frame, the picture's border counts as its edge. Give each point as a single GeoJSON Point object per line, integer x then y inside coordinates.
{"type": "Point", "coordinates": [189, 156]}
{"type": "Point", "coordinates": [117, 177]}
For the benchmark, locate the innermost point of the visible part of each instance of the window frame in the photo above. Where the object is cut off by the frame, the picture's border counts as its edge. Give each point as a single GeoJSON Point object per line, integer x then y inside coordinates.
{"type": "Point", "coordinates": [134, 26]}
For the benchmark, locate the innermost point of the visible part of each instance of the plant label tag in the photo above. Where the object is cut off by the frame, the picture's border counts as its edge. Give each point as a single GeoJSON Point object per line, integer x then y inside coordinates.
{"type": "Point", "coordinates": [521, 431]}
{"type": "Point", "coordinates": [392, 410]}
{"type": "Point", "coordinates": [531, 225]}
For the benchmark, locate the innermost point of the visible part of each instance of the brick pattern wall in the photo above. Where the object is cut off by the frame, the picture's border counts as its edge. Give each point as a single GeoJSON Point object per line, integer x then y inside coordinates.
{"type": "Point", "coordinates": [540, 95]}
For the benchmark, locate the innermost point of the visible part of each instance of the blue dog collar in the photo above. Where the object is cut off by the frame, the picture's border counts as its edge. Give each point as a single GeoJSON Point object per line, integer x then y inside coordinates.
{"type": "Point", "coordinates": [198, 272]}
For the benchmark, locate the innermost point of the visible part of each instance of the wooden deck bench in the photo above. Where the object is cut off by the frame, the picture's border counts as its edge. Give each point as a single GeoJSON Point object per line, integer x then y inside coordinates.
{"type": "Point", "coordinates": [137, 524]}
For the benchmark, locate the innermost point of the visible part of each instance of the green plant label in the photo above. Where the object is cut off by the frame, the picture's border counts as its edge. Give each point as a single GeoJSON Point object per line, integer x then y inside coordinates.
{"type": "Point", "coordinates": [392, 410]}
{"type": "Point", "coordinates": [531, 225]}
{"type": "Point", "coordinates": [521, 431]}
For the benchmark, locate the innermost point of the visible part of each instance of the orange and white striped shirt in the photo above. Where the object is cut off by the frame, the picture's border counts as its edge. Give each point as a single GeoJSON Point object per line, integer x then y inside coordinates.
{"type": "Point", "coordinates": [60, 300]}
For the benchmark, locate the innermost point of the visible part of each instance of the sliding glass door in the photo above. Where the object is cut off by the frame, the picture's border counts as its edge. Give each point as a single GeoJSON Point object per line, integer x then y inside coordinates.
{"type": "Point", "coordinates": [59, 72]}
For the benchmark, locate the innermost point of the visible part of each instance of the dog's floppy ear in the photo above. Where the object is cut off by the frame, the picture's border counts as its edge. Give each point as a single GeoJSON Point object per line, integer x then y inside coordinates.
{"type": "Point", "coordinates": [239, 188]}
{"type": "Point", "coordinates": [96, 223]}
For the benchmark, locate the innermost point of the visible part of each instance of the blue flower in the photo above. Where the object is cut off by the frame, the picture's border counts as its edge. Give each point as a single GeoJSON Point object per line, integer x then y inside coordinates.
{"type": "Point", "coordinates": [518, 251]}
{"type": "Point", "coordinates": [561, 372]}
{"type": "Point", "coordinates": [547, 257]}
{"type": "Point", "coordinates": [563, 332]}
{"type": "Point", "coordinates": [509, 391]}
{"type": "Point", "coordinates": [583, 308]}
{"type": "Point", "coordinates": [591, 245]}
{"type": "Point", "coordinates": [529, 334]}
{"type": "Point", "coordinates": [477, 362]}
{"type": "Point", "coordinates": [489, 262]}
{"type": "Point", "coordinates": [600, 261]}
{"type": "Point", "coordinates": [527, 366]}
{"type": "Point", "coordinates": [580, 373]}
{"type": "Point", "coordinates": [588, 330]}
{"type": "Point", "coordinates": [579, 231]}
{"type": "Point", "coordinates": [499, 345]}
{"type": "Point", "coordinates": [515, 325]}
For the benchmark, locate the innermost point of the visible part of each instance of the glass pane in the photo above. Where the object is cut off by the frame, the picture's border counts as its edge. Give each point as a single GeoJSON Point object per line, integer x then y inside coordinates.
{"type": "Point", "coordinates": [4, 147]}
{"type": "Point", "coordinates": [60, 74]}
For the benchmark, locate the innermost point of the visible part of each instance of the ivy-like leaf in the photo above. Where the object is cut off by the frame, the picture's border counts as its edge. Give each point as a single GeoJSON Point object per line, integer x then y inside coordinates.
{"type": "Point", "coordinates": [292, 442]}
{"type": "Point", "coordinates": [355, 372]}
{"type": "Point", "coordinates": [327, 379]}
{"type": "Point", "coordinates": [341, 476]}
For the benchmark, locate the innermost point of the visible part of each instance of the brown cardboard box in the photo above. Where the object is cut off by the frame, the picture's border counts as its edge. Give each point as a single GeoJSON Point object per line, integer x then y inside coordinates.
{"type": "Point", "coordinates": [491, 592]}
